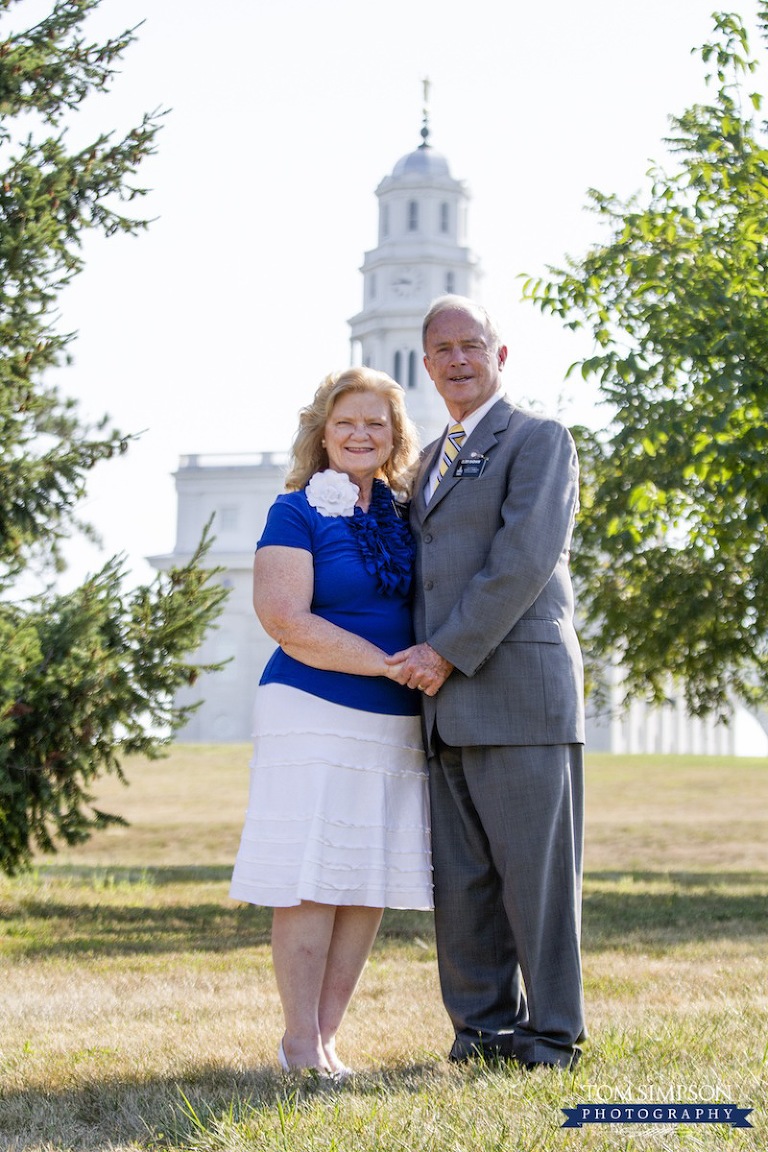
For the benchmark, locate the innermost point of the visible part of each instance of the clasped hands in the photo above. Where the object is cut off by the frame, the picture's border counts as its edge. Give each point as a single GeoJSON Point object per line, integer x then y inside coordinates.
{"type": "Point", "coordinates": [419, 667]}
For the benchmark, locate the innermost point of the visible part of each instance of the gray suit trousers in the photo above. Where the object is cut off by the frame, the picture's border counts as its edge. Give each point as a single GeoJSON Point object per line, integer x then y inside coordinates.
{"type": "Point", "coordinates": [507, 842]}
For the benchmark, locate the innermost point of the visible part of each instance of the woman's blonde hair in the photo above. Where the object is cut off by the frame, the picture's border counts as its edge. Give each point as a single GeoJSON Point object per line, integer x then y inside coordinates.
{"type": "Point", "coordinates": [307, 452]}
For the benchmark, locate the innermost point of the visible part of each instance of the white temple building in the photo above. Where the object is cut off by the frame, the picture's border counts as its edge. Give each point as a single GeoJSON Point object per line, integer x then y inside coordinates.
{"type": "Point", "coordinates": [421, 253]}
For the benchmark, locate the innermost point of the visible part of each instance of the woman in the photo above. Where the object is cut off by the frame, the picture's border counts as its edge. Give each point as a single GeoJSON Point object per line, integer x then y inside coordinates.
{"type": "Point", "coordinates": [337, 827]}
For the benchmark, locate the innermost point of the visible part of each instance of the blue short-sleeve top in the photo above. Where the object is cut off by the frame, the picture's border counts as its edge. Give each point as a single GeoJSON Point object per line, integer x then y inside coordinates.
{"type": "Point", "coordinates": [362, 576]}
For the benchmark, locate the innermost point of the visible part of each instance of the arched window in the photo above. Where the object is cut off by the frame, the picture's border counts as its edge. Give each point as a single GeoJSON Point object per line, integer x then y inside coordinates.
{"type": "Point", "coordinates": [385, 220]}
{"type": "Point", "coordinates": [411, 369]}
{"type": "Point", "coordinates": [413, 215]}
{"type": "Point", "coordinates": [373, 285]}
{"type": "Point", "coordinates": [445, 217]}
{"type": "Point", "coordinates": [398, 368]}
{"type": "Point", "coordinates": [450, 282]}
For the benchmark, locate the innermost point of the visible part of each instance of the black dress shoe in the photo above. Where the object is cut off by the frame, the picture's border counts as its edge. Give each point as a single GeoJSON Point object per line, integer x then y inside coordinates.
{"type": "Point", "coordinates": [489, 1051]}
{"type": "Point", "coordinates": [498, 1051]}
{"type": "Point", "coordinates": [567, 1064]}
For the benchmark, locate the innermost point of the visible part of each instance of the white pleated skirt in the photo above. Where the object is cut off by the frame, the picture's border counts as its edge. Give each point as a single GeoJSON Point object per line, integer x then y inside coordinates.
{"type": "Point", "coordinates": [338, 810]}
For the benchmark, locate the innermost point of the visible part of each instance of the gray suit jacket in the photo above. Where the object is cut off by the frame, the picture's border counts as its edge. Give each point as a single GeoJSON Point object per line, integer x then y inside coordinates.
{"type": "Point", "coordinates": [493, 592]}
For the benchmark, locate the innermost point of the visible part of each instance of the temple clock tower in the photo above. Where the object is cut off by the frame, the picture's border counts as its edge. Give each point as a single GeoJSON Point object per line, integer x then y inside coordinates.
{"type": "Point", "coordinates": [421, 254]}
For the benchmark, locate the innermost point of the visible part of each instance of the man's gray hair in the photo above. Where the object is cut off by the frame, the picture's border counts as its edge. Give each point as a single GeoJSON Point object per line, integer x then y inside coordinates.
{"type": "Point", "coordinates": [452, 303]}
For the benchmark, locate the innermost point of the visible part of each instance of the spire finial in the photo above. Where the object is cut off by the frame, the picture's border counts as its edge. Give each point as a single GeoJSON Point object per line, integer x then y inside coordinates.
{"type": "Point", "coordinates": [425, 113]}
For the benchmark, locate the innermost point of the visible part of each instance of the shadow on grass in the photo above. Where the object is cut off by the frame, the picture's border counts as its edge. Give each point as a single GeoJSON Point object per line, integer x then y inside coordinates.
{"type": "Point", "coordinates": [158, 877]}
{"type": "Point", "coordinates": [50, 928]}
{"type": "Point", "coordinates": [44, 927]}
{"type": "Point", "coordinates": [100, 920]}
{"type": "Point", "coordinates": [649, 908]}
{"type": "Point", "coordinates": [170, 1112]}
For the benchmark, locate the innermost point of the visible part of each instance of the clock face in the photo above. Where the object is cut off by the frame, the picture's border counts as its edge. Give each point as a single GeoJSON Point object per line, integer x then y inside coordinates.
{"type": "Point", "coordinates": [405, 282]}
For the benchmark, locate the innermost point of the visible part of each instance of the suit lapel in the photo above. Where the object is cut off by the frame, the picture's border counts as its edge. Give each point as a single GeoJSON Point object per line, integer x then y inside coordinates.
{"type": "Point", "coordinates": [428, 461]}
{"type": "Point", "coordinates": [483, 440]}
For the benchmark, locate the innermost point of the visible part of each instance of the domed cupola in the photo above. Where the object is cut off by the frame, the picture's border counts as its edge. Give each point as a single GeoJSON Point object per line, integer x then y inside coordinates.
{"type": "Point", "coordinates": [423, 166]}
{"type": "Point", "coordinates": [424, 163]}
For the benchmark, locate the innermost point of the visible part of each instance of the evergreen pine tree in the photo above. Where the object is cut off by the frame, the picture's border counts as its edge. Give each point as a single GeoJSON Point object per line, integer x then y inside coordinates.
{"type": "Point", "coordinates": [88, 676]}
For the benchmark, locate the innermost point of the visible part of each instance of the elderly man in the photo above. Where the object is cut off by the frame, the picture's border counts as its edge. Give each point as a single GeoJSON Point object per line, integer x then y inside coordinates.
{"type": "Point", "coordinates": [499, 666]}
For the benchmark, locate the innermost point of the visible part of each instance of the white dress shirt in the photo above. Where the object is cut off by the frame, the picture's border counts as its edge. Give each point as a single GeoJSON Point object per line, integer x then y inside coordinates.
{"type": "Point", "coordinates": [469, 423]}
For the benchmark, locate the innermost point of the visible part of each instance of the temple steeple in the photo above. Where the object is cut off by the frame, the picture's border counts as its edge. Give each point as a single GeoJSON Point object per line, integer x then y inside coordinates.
{"type": "Point", "coordinates": [421, 254]}
{"type": "Point", "coordinates": [425, 114]}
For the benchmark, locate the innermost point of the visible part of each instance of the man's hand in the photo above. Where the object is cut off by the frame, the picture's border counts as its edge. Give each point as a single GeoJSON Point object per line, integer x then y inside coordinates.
{"type": "Point", "coordinates": [420, 667]}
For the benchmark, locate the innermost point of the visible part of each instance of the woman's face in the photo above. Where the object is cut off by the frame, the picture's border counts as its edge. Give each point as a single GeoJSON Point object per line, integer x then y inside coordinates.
{"type": "Point", "coordinates": [358, 435]}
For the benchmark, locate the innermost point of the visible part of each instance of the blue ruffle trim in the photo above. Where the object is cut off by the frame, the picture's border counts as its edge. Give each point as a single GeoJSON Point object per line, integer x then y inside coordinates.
{"type": "Point", "coordinates": [385, 541]}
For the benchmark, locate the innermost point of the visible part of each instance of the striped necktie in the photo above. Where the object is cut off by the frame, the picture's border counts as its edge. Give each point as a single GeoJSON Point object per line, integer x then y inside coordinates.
{"type": "Point", "coordinates": [454, 441]}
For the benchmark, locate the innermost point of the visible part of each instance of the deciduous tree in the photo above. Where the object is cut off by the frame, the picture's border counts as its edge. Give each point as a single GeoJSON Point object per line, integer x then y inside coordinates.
{"type": "Point", "coordinates": [671, 555]}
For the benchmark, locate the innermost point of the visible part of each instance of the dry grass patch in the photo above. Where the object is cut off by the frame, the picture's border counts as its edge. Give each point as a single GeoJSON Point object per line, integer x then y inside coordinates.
{"type": "Point", "coordinates": [676, 813]}
{"type": "Point", "coordinates": [185, 810]}
{"type": "Point", "coordinates": [139, 1009]}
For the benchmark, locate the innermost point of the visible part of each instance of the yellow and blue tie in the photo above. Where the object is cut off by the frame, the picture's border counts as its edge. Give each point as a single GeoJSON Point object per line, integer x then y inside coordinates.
{"type": "Point", "coordinates": [454, 441]}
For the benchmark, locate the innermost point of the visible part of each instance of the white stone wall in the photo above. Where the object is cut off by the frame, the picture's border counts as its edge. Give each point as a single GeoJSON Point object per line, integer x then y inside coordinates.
{"type": "Point", "coordinates": [238, 492]}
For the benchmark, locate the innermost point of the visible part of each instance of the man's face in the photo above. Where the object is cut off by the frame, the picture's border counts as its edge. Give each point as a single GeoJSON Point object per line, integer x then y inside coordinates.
{"type": "Point", "coordinates": [464, 367]}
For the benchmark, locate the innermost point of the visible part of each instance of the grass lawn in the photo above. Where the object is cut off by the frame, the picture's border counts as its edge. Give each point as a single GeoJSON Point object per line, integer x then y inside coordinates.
{"type": "Point", "coordinates": [138, 1008]}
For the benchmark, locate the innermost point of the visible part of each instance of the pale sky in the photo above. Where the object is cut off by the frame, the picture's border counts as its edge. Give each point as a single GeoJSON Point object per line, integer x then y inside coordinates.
{"type": "Point", "coordinates": [210, 331]}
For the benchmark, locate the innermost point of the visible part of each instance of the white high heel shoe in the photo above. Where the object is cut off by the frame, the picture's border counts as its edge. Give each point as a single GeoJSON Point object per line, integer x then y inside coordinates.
{"type": "Point", "coordinates": [340, 1071]}
{"type": "Point", "coordinates": [319, 1073]}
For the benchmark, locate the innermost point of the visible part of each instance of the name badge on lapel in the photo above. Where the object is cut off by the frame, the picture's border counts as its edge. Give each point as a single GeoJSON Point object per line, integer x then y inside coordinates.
{"type": "Point", "coordinates": [472, 467]}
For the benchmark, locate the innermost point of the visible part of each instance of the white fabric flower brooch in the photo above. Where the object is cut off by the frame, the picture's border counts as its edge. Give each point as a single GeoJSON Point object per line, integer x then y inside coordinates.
{"type": "Point", "coordinates": [332, 493]}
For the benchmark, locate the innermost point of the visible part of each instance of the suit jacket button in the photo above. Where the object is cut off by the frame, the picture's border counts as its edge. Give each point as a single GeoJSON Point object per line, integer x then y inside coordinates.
{"type": "Point", "coordinates": [428, 538]}
{"type": "Point", "coordinates": [428, 585]}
